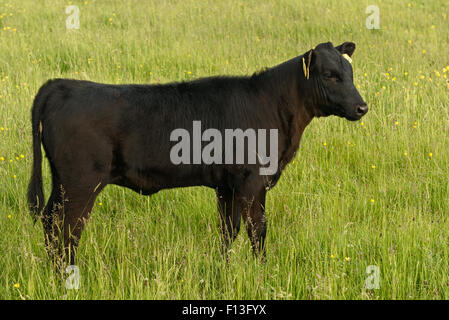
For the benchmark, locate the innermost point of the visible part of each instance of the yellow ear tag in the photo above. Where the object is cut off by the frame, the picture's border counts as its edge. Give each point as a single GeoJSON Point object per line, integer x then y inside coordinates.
{"type": "Point", "coordinates": [347, 57]}
{"type": "Point", "coordinates": [305, 69]}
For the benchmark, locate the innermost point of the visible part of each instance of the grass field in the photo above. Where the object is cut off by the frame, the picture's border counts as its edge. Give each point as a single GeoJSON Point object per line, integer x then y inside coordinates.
{"type": "Point", "coordinates": [357, 194]}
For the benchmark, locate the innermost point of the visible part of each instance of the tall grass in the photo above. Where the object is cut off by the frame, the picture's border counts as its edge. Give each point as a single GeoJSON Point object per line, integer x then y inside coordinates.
{"type": "Point", "coordinates": [357, 194]}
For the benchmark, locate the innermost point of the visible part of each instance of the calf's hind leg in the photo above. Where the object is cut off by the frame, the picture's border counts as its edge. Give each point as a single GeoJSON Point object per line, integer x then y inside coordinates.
{"type": "Point", "coordinates": [81, 159]}
{"type": "Point", "coordinates": [51, 221]}
{"type": "Point", "coordinates": [65, 215]}
{"type": "Point", "coordinates": [77, 210]}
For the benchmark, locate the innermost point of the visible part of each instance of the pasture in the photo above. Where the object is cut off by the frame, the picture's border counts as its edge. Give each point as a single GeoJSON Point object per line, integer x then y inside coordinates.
{"type": "Point", "coordinates": [358, 194]}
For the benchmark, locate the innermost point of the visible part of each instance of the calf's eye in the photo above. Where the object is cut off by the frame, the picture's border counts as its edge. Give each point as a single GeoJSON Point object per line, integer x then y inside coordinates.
{"type": "Point", "coordinates": [332, 76]}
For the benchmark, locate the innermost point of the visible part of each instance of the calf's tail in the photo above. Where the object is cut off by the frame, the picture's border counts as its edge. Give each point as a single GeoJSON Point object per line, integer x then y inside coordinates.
{"type": "Point", "coordinates": [35, 190]}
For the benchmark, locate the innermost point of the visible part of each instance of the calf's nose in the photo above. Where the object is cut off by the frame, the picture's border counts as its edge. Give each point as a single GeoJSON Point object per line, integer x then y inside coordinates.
{"type": "Point", "coordinates": [361, 109]}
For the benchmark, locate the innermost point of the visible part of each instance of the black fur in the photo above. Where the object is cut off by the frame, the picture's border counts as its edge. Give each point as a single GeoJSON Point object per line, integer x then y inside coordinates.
{"type": "Point", "coordinates": [99, 134]}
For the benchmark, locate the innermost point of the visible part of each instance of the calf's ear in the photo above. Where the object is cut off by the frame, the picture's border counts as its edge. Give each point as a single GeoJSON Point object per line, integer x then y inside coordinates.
{"type": "Point", "coordinates": [308, 61]}
{"type": "Point", "coordinates": [346, 47]}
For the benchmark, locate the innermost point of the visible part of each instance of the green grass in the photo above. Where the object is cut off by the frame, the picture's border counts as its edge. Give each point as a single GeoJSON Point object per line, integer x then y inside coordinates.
{"type": "Point", "coordinates": [167, 246]}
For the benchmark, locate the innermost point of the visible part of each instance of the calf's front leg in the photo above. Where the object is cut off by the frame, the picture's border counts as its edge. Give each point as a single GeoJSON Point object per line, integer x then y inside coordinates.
{"type": "Point", "coordinates": [253, 213]}
{"type": "Point", "coordinates": [229, 211]}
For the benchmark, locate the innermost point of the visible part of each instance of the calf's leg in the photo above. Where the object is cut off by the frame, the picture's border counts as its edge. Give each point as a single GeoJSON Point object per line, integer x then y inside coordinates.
{"type": "Point", "coordinates": [81, 164]}
{"type": "Point", "coordinates": [77, 210]}
{"type": "Point", "coordinates": [253, 213]}
{"type": "Point", "coordinates": [64, 218]}
{"type": "Point", "coordinates": [229, 211]}
{"type": "Point", "coordinates": [246, 203]}
{"type": "Point", "coordinates": [51, 221]}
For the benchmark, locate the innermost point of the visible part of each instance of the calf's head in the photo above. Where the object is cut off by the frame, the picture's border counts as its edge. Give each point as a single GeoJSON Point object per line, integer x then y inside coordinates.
{"type": "Point", "coordinates": [331, 78]}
